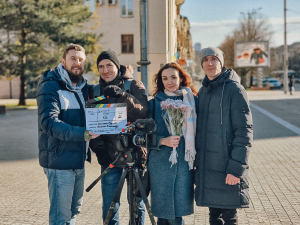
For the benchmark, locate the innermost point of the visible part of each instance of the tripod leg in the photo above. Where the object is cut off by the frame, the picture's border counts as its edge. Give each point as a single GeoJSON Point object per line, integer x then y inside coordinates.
{"type": "Point", "coordinates": [104, 172]}
{"type": "Point", "coordinates": [132, 200]}
{"type": "Point", "coordinates": [116, 197]}
{"type": "Point", "coordinates": [144, 196]}
{"type": "Point", "coordinates": [99, 178]}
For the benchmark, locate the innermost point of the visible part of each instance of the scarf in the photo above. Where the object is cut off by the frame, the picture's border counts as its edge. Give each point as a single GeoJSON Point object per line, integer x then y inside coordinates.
{"type": "Point", "coordinates": [78, 88]}
{"type": "Point", "coordinates": [189, 125]}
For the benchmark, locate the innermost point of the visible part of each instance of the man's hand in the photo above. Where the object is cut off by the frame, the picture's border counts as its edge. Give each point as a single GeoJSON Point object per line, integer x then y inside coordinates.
{"type": "Point", "coordinates": [171, 141]}
{"type": "Point", "coordinates": [232, 180]}
{"type": "Point", "coordinates": [113, 91]}
{"type": "Point", "coordinates": [93, 135]}
{"type": "Point", "coordinates": [89, 135]}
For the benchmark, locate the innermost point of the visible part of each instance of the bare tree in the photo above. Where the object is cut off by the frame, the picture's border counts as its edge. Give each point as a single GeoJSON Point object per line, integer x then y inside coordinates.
{"type": "Point", "coordinates": [228, 48]}
{"type": "Point", "coordinates": [253, 26]}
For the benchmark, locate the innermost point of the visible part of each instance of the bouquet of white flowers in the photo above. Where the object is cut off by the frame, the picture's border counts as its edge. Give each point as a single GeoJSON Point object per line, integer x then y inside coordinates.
{"type": "Point", "coordinates": [174, 117]}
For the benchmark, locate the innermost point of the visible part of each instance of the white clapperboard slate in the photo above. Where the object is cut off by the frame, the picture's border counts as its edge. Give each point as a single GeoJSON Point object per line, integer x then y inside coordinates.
{"type": "Point", "coordinates": [105, 118]}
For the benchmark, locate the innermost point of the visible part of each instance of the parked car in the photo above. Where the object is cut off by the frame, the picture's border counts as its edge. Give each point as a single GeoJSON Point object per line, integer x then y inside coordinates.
{"type": "Point", "coordinates": [265, 80]}
{"type": "Point", "coordinates": [273, 83]}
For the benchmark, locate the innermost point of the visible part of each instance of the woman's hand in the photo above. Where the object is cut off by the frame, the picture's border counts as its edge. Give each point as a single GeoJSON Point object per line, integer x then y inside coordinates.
{"type": "Point", "coordinates": [171, 141]}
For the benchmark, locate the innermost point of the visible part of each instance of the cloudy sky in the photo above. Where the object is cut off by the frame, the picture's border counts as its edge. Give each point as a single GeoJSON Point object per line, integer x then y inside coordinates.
{"type": "Point", "coordinates": [212, 20]}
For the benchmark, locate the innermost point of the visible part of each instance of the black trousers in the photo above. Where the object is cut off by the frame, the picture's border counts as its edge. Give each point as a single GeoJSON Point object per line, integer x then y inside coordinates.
{"type": "Point", "coordinates": [222, 216]}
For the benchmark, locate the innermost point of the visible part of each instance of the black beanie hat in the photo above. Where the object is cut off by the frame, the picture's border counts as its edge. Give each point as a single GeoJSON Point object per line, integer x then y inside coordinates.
{"type": "Point", "coordinates": [111, 55]}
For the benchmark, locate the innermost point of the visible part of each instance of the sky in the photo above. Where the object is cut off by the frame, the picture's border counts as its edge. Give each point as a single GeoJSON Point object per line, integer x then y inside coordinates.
{"type": "Point", "coordinates": [212, 20]}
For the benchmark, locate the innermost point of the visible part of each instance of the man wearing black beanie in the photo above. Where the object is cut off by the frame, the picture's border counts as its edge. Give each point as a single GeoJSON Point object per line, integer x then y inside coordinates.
{"type": "Point", "coordinates": [111, 55]}
{"type": "Point", "coordinates": [116, 82]}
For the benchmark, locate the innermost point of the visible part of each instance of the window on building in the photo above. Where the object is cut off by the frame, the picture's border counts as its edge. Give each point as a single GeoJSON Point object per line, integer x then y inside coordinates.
{"type": "Point", "coordinates": [127, 43]}
{"type": "Point", "coordinates": [126, 7]}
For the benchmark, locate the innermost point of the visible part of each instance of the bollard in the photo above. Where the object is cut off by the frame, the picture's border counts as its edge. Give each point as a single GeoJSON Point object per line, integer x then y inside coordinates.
{"type": "Point", "coordinates": [2, 109]}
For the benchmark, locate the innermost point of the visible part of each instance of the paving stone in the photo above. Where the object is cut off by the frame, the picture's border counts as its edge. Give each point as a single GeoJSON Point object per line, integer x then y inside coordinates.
{"type": "Point", "coordinates": [274, 172]}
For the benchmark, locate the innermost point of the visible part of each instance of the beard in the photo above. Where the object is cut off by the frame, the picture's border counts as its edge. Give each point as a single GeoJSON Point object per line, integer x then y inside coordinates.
{"type": "Point", "coordinates": [75, 78]}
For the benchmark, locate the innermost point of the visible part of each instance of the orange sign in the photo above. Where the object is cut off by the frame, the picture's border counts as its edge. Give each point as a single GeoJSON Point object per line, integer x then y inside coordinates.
{"type": "Point", "coordinates": [181, 62]}
{"type": "Point", "coordinates": [246, 55]}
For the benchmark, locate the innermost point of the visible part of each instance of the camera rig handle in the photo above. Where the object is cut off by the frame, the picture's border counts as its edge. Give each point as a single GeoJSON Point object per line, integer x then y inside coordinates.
{"type": "Point", "coordinates": [104, 172]}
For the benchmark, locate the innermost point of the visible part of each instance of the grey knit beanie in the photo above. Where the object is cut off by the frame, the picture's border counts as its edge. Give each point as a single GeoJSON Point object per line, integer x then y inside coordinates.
{"type": "Point", "coordinates": [111, 55]}
{"type": "Point", "coordinates": [212, 51]}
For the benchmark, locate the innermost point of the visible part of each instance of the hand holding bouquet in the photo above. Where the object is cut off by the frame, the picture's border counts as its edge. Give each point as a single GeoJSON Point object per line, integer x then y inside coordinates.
{"type": "Point", "coordinates": [173, 116]}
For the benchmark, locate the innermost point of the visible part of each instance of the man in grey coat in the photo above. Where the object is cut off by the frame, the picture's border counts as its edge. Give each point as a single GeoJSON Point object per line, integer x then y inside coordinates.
{"type": "Point", "coordinates": [223, 141]}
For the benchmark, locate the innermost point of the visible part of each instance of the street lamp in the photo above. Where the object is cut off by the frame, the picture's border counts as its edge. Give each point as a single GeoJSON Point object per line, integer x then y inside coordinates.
{"type": "Point", "coordinates": [143, 36]}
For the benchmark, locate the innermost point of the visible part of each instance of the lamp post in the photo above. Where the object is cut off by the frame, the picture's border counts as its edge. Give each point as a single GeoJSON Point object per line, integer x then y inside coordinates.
{"type": "Point", "coordinates": [143, 36]}
{"type": "Point", "coordinates": [285, 56]}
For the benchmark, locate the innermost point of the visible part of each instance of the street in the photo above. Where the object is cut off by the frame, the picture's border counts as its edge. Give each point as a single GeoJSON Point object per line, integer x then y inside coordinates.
{"type": "Point", "coordinates": [274, 169]}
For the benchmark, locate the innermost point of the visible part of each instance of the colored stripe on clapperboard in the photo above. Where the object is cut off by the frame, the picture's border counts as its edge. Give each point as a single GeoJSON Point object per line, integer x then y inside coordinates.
{"type": "Point", "coordinates": [99, 98]}
{"type": "Point", "coordinates": [110, 105]}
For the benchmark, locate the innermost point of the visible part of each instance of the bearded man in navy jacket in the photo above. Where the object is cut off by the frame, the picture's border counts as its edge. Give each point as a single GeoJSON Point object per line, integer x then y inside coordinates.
{"type": "Point", "coordinates": [63, 139]}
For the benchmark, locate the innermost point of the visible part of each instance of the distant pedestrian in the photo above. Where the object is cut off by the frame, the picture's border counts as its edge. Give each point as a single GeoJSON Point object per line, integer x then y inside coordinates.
{"type": "Point", "coordinates": [63, 139]}
{"type": "Point", "coordinates": [291, 84]}
{"type": "Point", "coordinates": [223, 141]}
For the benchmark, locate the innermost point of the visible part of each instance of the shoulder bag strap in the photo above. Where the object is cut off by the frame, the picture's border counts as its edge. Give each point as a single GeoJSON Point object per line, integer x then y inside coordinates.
{"type": "Point", "coordinates": [96, 90]}
{"type": "Point", "coordinates": [127, 84]}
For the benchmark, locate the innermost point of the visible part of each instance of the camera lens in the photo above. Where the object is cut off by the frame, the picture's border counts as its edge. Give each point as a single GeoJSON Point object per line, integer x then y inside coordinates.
{"type": "Point", "coordinates": [138, 140]}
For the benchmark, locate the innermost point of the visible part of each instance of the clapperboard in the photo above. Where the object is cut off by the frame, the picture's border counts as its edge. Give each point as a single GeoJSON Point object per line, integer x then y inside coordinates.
{"type": "Point", "coordinates": [103, 117]}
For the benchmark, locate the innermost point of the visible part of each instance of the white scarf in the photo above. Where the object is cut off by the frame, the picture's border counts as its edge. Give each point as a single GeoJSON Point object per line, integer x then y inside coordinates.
{"type": "Point", "coordinates": [189, 125]}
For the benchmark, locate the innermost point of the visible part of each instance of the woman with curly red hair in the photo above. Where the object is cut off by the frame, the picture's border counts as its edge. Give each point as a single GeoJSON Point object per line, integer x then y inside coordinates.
{"type": "Point", "coordinates": [172, 185]}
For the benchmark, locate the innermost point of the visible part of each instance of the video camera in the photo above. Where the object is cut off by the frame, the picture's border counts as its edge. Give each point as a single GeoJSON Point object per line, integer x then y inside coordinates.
{"type": "Point", "coordinates": [140, 133]}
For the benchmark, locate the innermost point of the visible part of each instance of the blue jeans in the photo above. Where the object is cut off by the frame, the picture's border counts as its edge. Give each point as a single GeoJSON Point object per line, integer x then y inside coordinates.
{"type": "Point", "coordinates": [109, 185]}
{"type": "Point", "coordinates": [66, 195]}
{"type": "Point", "coordinates": [176, 221]}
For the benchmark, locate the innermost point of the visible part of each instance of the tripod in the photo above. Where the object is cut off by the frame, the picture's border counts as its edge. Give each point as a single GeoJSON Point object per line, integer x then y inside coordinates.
{"type": "Point", "coordinates": [132, 170]}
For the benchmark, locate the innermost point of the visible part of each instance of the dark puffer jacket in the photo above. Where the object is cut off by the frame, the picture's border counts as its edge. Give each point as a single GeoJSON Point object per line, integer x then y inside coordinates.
{"type": "Point", "coordinates": [61, 123]}
{"type": "Point", "coordinates": [223, 142]}
{"type": "Point", "coordinates": [137, 107]}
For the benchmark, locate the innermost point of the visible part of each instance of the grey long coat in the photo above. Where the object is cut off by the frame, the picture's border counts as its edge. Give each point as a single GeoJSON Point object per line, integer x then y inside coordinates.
{"type": "Point", "coordinates": [223, 142]}
{"type": "Point", "coordinates": [172, 188]}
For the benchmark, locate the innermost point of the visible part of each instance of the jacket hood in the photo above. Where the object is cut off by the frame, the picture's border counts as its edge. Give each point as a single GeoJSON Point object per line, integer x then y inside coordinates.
{"type": "Point", "coordinates": [126, 72]}
{"type": "Point", "coordinates": [227, 76]}
{"type": "Point", "coordinates": [61, 75]}
{"type": "Point", "coordinates": [230, 76]}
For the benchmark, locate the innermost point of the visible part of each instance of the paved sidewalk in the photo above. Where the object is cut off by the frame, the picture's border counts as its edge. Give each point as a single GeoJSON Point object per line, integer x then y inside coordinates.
{"type": "Point", "coordinates": [274, 171]}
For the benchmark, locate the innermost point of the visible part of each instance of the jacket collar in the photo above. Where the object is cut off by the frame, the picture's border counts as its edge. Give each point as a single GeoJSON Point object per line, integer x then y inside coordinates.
{"type": "Point", "coordinates": [226, 76]}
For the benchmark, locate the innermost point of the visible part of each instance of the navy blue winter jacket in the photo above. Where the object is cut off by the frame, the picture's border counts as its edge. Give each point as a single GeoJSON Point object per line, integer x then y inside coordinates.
{"type": "Point", "coordinates": [61, 123]}
{"type": "Point", "coordinates": [223, 142]}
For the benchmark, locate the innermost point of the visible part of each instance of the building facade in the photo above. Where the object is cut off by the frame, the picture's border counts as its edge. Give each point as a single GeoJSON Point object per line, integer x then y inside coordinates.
{"type": "Point", "coordinates": [9, 87]}
{"type": "Point", "coordinates": [119, 23]}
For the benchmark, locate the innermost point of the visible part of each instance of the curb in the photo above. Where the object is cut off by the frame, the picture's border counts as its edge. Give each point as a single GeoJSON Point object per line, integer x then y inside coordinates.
{"type": "Point", "coordinates": [22, 108]}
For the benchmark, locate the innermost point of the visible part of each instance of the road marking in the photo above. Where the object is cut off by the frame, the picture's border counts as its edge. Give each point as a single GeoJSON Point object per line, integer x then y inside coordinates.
{"type": "Point", "coordinates": [277, 119]}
